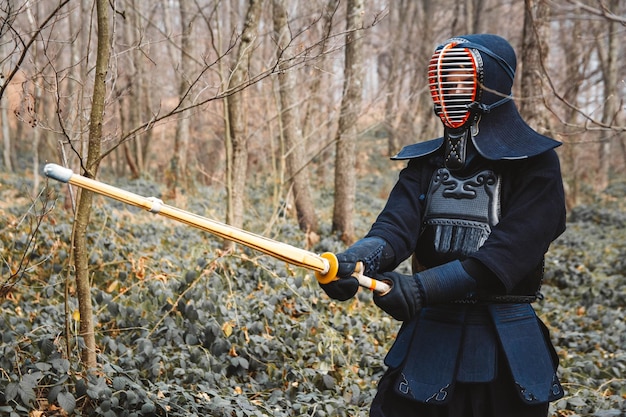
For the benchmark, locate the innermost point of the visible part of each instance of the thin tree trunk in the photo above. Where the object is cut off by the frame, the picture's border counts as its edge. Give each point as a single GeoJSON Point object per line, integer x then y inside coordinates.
{"type": "Point", "coordinates": [408, 112]}
{"type": "Point", "coordinates": [534, 51]}
{"type": "Point", "coordinates": [6, 138]}
{"type": "Point", "coordinates": [296, 151]}
{"type": "Point", "coordinates": [315, 106]}
{"type": "Point", "coordinates": [4, 120]}
{"type": "Point", "coordinates": [130, 104]}
{"type": "Point", "coordinates": [35, 132]}
{"type": "Point", "coordinates": [611, 97]}
{"type": "Point", "coordinates": [81, 247]}
{"type": "Point", "coordinates": [236, 114]}
{"type": "Point", "coordinates": [345, 176]}
{"type": "Point", "coordinates": [139, 96]}
{"type": "Point", "coordinates": [178, 161]}
{"type": "Point", "coordinates": [389, 64]}
{"type": "Point", "coordinates": [574, 73]}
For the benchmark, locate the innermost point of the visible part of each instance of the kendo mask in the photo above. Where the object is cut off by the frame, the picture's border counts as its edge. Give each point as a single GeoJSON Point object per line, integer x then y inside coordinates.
{"type": "Point", "coordinates": [468, 79]}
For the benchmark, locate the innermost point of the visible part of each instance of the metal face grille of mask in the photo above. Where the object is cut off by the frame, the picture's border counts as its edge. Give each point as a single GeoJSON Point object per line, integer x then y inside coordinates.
{"type": "Point", "coordinates": [454, 82]}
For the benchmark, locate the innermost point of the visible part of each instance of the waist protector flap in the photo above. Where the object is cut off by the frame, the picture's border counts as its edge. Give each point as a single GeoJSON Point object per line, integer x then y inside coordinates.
{"type": "Point", "coordinates": [428, 370]}
{"type": "Point", "coordinates": [527, 352]}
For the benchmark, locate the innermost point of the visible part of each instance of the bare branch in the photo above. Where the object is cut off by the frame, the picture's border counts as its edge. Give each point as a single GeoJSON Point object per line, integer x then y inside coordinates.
{"type": "Point", "coordinates": [28, 44]}
{"type": "Point", "coordinates": [303, 57]}
{"type": "Point", "coordinates": [603, 11]}
{"type": "Point", "coordinates": [35, 216]}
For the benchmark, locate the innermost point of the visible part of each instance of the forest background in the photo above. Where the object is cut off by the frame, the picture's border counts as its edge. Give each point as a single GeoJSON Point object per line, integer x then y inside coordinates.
{"type": "Point", "coordinates": [278, 117]}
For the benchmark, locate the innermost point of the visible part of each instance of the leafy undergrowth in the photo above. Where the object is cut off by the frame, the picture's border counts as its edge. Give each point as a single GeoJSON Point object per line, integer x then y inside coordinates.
{"type": "Point", "coordinates": [184, 328]}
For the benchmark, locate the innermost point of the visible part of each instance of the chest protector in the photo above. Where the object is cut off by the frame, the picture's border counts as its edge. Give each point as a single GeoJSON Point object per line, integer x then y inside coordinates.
{"type": "Point", "coordinates": [459, 215]}
{"type": "Point", "coordinates": [462, 342]}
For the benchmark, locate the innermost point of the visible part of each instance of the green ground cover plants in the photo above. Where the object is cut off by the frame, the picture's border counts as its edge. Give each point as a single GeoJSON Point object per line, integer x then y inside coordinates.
{"type": "Point", "coordinates": [187, 329]}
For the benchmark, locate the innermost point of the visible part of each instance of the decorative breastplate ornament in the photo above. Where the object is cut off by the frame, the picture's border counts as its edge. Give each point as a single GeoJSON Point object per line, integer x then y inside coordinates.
{"type": "Point", "coordinates": [461, 211]}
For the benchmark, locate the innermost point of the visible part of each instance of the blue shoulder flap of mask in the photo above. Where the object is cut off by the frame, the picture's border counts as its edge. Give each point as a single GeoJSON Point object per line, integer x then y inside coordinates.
{"type": "Point", "coordinates": [417, 150]}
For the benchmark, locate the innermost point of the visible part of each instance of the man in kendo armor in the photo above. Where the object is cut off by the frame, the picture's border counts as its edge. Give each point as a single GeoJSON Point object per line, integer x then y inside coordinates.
{"type": "Point", "coordinates": [477, 209]}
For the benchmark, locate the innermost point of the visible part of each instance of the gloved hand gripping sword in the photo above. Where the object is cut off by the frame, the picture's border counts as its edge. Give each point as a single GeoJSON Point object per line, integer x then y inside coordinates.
{"type": "Point", "coordinates": [325, 265]}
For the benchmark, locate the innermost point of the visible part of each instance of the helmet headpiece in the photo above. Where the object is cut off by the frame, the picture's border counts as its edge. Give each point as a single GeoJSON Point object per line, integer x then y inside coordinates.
{"type": "Point", "coordinates": [470, 79]}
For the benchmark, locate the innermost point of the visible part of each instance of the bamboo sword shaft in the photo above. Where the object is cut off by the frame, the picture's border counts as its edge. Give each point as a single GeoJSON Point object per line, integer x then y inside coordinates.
{"type": "Point", "coordinates": [325, 265]}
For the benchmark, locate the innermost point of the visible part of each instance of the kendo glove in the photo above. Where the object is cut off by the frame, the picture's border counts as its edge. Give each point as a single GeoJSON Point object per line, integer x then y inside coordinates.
{"type": "Point", "coordinates": [408, 294]}
{"type": "Point", "coordinates": [370, 251]}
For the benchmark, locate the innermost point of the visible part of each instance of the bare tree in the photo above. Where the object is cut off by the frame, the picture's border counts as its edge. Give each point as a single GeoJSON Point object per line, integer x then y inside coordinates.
{"type": "Point", "coordinates": [534, 51]}
{"type": "Point", "coordinates": [609, 66]}
{"type": "Point", "coordinates": [581, 92]}
{"type": "Point", "coordinates": [178, 162]}
{"type": "Point", "coordinates": [345, 177]}
{"type": "Point", "coordinates": [391, 72]}
{"type": "Point", "coordinates": [35, 99]}
{"type": "Point", "coordinates": [317, 115]}
{"type": "Point", "coordinates": [574, 55]}
{"type": "Point", "coordinates": [403, 67]}
{"type": "Point", "coordinates": [73, 122]}
{"type": "Point", "coordinates": [81, 246]}
{"type": "Point", "coordinates": [6, 139]}
{"type": "Point", "coordinates": [19, 47]}
{"type": "Point", "coordinates": [22, 46]}
{"type": "Point", "coordinates": [290, 122]}
{"type": "Point", "coordinates": [237, 152]}
{"type": "Point", "coordinates": [130, 91]}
